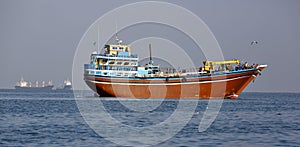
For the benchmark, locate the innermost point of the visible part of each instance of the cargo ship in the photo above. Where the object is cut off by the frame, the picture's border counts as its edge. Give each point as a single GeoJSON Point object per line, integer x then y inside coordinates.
{"type": "Point", "coordinates": [24, 85]}
{"type": "Point", "coordinates": [117, 73]}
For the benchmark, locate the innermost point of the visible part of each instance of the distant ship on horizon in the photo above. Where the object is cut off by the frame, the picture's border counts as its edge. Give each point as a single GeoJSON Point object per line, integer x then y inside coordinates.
{"type": "Point", "coordinates": [66, 86]}
{"type": "Point", "coordinates": [24, 85]}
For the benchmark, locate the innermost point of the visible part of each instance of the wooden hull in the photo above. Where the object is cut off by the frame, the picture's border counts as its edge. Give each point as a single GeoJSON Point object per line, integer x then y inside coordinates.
{"type": "Point", "coordinates": [216, 86]}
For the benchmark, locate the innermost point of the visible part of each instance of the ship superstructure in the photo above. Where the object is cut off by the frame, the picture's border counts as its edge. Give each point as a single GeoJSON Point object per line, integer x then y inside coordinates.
{"type": "Point", "coordinates": [67, 85]}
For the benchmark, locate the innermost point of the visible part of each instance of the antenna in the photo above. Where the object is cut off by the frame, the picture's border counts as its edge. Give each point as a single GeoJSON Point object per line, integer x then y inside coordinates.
{"type": "Point", "coordinates": [98, 39]}
{"type": "Point", "coordinates": [117, 33]}
{"type": "Point", "coordinates": [94, 44]}
{"type": "Point", "coordinates": [150, 51]}
{"type": "Point", "coordinates": [117, 39]}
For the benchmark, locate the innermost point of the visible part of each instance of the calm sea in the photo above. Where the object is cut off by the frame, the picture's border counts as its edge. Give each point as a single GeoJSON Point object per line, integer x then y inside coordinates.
{"type": "Point", "coordinates": [53, 118]}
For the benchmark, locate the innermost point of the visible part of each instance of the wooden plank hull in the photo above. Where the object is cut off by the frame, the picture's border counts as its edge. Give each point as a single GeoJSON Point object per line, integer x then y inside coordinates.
{"type": "Point", "coordinates": [216, 86]}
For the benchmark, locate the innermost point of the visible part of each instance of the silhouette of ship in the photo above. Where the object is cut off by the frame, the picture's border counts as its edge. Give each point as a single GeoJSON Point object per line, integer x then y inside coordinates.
{"type": "Point", "coordinates": [66, 86]}
{"type": "Point", "coordinates": [24, 85]}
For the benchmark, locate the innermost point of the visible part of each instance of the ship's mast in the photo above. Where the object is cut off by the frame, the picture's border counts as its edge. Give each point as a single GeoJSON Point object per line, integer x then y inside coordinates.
{"type": "Point", "coordinates": [150, 51]}
{"type": "Point", "coordinates": [117, 39]}
{"type": "Point", "coordinates": [98, 49]}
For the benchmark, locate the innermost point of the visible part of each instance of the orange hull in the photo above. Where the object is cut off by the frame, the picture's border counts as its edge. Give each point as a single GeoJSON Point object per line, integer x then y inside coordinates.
{"type": "Point", "coordinates": [221, 86]}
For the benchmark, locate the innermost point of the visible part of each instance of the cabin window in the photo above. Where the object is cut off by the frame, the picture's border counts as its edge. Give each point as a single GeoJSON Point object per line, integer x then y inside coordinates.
{"type": "Point", "coordinates": [114, 48]}
{"type": "Point", "coordinates": [119, 63]}
{"type": "Point", "coordinates": [126, 63]}
{"type": "Point", "coordinates": [104, 61]}
{"type": "Point", "coordinates": [111, 62]}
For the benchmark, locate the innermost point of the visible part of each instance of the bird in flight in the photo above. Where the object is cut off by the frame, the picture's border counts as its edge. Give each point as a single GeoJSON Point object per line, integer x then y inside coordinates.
{"type": "Point", "coordinates": [253, 42]}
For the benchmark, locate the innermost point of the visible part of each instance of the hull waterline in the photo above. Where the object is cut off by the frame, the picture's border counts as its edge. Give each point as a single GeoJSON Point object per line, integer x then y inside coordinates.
{"type": "Point", "coordinates": [229, 86]}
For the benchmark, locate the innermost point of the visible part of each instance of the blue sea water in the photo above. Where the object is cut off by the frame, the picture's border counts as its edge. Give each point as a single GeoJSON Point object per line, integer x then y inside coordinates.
{"type": "Point", "coordinates": [53, 119]}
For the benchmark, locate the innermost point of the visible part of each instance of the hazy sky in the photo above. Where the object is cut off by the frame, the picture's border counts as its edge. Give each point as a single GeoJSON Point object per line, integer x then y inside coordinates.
{"type": "Point", "coordinates": [38, 38]}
